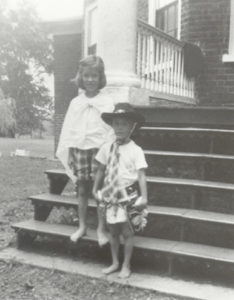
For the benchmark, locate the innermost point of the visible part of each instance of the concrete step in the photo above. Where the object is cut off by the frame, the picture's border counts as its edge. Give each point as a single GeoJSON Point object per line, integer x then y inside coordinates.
{"type": "Point", "coordinates": [173, 223]}
{"type": "Point", "coordinates": [187, 139]}
{"type": "Point", "coordinates": [172, 252]}
{"type": "Point", "coordinates": [203, 166]}
{"type": "Point", "coordinates": [169, 286]}
{"type": "Point", "coordinates": [173, 192]}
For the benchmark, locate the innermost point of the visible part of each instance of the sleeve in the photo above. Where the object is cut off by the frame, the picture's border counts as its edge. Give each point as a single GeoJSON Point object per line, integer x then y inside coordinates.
{"type": "Point", "coordinates": [102, 155]}
{"type": "Point", "coordinates": [140, 161]}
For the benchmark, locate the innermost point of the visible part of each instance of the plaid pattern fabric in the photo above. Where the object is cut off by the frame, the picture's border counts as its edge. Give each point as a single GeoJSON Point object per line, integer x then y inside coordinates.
{"type": "Point", "coordinates": [113, 194]}
{"type": "Point", "coordinates": [83, 163]}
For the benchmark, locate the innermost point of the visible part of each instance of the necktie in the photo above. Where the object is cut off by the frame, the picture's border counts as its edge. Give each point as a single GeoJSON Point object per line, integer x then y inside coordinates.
{"type": "Point", "coordinates": [110, 191]}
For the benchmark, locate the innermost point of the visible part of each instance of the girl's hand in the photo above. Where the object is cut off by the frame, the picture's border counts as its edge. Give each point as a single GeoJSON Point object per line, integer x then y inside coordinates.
{"type": "Point", "coordinates": [97, 195]}
{"type": "Point", "coordinates": [70, 160]}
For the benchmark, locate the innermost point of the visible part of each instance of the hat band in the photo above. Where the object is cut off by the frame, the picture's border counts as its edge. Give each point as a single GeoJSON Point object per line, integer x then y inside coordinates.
{"type": "Point", "coordinates": [120, 111]}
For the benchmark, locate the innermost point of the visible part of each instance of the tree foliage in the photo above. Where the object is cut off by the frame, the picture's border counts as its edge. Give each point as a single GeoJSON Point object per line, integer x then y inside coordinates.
{"type": "Point", "coordinates": [25, 56]}
{"type": "Point", "coordinates": [7, 118]}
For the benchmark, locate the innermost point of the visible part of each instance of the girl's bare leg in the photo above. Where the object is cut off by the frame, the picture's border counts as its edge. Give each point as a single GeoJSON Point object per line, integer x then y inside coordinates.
{"type": "Point", "coordinates": [82, 212]}
{"type": "Point", "coordinates": [128, 249]}
{"type": "Point", "coordinates": [114, 242]}
{"type": "Point", "coordinates": [101, 231]}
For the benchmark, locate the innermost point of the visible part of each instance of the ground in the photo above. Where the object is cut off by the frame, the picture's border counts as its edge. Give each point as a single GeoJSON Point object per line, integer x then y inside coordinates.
{"type": "Point", "coordinates": [20, 177]}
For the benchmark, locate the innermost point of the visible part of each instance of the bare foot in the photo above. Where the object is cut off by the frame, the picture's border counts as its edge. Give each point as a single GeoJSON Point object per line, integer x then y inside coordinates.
{"type": "Point", "coordinates": [102, 238]}
{"type": "Point", "coordinates": [77, 235]}
{"type": "Point", "coordinates": [124, 273]}
{"type": "Point", "coordinates": [111, 269]}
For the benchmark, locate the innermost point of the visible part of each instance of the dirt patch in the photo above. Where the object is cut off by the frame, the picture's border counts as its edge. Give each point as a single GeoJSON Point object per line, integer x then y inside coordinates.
{"type": "Point", "coordinates": [23, 282]}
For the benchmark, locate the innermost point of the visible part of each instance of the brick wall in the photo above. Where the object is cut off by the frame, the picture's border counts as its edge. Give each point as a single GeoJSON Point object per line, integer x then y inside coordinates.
{"type": "Point", "coordinates": [67, 55]}
{"type": "Point", "coordinates": [206, 23]}
{"type": "Point", "coordinates": [143, 10]}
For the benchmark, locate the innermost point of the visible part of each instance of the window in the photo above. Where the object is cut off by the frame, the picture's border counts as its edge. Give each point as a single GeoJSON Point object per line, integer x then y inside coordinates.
{"type": "Point", "coordinates": [167, 19]}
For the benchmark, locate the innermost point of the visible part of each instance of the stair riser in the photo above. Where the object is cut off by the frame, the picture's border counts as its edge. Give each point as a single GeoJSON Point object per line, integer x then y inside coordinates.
{"type": "Point", "coordinates": [172, 264]}
{"type": "Point", "coordinates": [167, 227]}
{"type": "Point", "coordinates": [187, 142]}
{"type": "Point", "coordinates": [216, 200]}
{"type": "Point", "coordinates": [191, 168]}
{"type": "Point", "coordinates": [182, 229]}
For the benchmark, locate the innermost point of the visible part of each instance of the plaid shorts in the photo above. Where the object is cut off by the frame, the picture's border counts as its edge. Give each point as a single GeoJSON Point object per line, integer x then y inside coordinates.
{"type": "Point", "coordinates": [84, 165]}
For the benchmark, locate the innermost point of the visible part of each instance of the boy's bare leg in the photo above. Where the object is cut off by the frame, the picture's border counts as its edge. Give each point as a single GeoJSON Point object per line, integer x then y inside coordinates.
{"type": "Point", "coordinates": [128, 249]}
{"type": "Point", "coordinates": [82, 212]}
{"type": "Point", "coordinates": [101, 231]}
{"type": "Point", "coordinates": [114, 242]}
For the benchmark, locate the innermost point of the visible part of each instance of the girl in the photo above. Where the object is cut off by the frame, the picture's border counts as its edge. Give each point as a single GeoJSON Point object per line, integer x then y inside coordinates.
{"type": "Point", "coordinates": [122, 169]}
{"type": "Point", "coordinates": [82, 134]}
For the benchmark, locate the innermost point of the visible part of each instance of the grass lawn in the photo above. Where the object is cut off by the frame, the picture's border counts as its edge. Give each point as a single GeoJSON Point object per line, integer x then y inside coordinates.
{"type": "Point", "coordinates": [37, 147]}
{"type": "Point", "coordinates": [20, 177]}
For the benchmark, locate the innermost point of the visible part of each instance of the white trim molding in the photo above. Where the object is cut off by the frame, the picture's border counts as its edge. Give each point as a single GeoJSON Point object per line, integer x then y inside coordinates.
{"type": "Point", "coordinates": [230, 56]}
{"type": "Point", "coordinates": [87, 24]}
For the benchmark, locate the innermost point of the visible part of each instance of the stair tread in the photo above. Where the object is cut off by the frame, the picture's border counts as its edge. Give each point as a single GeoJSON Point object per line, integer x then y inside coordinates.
{"type": "Point", "coordinates": [170, 247]}
{"type": "Point", "coordinates": [191, 182]}
{"type": "Point", "coordinates": [188, 154]}
{"type": "Point", "coordinates": [153, 209]}
{"type": "Point", "coordinates": [188, 129]}
{"type": "Point", "coordinates": [170, 180]}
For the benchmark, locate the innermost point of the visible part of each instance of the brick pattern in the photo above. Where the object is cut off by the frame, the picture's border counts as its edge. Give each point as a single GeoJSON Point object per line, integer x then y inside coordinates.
{"type": "Point", "coordinates": [67, 54]}
{"type": "Point", "coordinates": [206, 23]}
{"type": "Point", "coordinates": [143, 10]}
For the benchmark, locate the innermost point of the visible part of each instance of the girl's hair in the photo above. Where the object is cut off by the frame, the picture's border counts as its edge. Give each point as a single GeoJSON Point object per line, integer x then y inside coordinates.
{"type": "Point", "coordinates": [93, 62]}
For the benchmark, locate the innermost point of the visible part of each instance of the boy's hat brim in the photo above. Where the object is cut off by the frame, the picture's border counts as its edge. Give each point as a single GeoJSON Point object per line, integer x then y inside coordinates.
{"type": "Point", "coordinates": [124, 110]}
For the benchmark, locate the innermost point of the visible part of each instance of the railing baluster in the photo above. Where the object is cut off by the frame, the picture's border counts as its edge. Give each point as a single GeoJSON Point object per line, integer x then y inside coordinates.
{"type": "Point", "coordinates": [156, 64]}
{"type": "Point", "coordinates": [176, 72]}
{"type": "Point", "coordinates": [159, 66]}
{"type": "Point", "coordinates": [148, 62]}
{"type": "Point", "coordinates": [139, 49]}
{"type": "Point", "coordinates": [172, 68]}
{"type": "Point", "coordinates": [152, 62]}
{"type": "Point", "coordinates": [180, 74]}
{"type": "Point", "coordinates": [143, 59]}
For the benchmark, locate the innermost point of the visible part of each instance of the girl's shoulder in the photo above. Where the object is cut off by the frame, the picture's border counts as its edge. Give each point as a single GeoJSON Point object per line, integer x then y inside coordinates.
{"type": "Point", "coordinates": [77, 100]}
{"type": "Point", "coordinates": [104, 95]}
{"type": "Point", "coordinates": [106, 146]}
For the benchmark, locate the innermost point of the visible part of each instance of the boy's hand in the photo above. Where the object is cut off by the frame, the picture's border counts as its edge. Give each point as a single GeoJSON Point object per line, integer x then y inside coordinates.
{"type": "Point", "coordinates": [140, 203]}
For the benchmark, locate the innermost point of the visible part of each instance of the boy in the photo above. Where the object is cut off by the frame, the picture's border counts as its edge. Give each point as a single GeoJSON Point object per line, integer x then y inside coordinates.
{"type": "Point", "coordinates": [121, 169]}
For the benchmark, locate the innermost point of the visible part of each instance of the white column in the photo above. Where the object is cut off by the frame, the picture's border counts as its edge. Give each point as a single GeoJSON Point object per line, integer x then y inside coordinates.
{"type": "Point", "coordinates": [117, 32]}
{"type": "Point", "coordinates": [230, 56]}
{"type": "Point", "coordinates": [231, 34]}
{"type": "Point", "coordinates": [151, 12]}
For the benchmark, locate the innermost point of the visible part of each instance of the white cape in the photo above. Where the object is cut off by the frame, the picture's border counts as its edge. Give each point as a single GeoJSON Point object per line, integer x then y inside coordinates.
{"type": "Point", "coordinates": [74, 133]}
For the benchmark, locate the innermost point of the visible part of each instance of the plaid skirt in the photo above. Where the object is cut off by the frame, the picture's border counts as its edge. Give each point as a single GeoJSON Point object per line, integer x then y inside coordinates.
{"type": "Point", "coordinates": [83, 163]}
